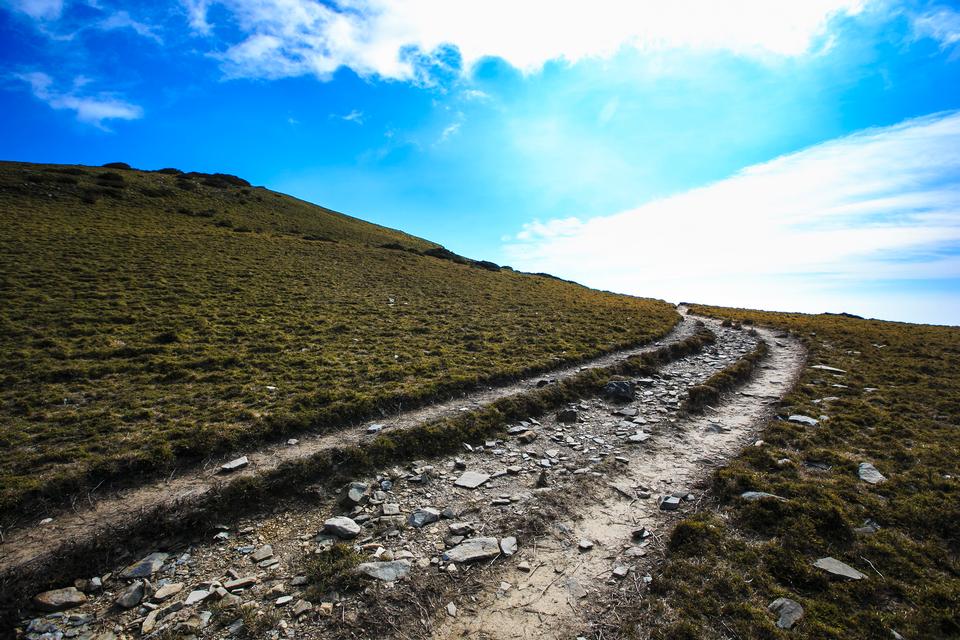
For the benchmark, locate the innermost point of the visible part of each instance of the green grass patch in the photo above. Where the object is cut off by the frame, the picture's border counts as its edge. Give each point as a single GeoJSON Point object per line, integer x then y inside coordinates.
{"type": "Point", "coordinates": [898, 408]}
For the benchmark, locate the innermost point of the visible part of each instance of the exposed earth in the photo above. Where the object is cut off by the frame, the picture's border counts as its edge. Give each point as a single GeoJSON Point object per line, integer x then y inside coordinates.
{"type": "Point", "coordinates": [528, 536]}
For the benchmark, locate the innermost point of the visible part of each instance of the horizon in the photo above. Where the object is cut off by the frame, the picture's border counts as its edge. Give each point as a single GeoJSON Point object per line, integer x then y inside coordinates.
{"type": "Point", "coordinates": [805, 158]}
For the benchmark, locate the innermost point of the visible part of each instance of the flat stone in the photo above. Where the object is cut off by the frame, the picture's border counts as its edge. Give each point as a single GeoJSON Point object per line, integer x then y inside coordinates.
{"type": "Point", "coordinates": [837, 568]}
{"type": "Point", "coordinates": [146, 567]}
{"type": "Point", "coordinates": [524, 566]}
{"type": "Point", "coordinates": [59, 599]}
{"type": "Point", "coordinates": [263, 553]}
{"type": "Point", "coordinates": [451, 610]}
{"type": "Point", "coordinates": [620, 571]}
{"type": "Point", "coordinates": [789, 611]}
{"type": "Point", "coordinates": [423, 517]}
{"type": "Point", "coordinates": [240, 583]}
{"type": "Point", "coordinates": [473, 549]}
{"type": "Point", "coordinates": [638, 438]}
{"type": "Point", "coordinates": [471, 479]}
{"type": "Point", "coordinates": [196, 596]}
{"type": "Point", "coordinates": [669, 503]}
{"type": "Point", "coordinates": [390, 509]}
{"type": "Point", "coordinates": [753, 496]}
{"type": "Point", "coordinates": [375, 428]}
{"type": "Point", "coordinates": [283, 600]}
{"type": "Point", "coordinates": [167, 590]}
{"type": "Point", "coordinates": [233, 465]}
{"type": "Point", "coordinates": [342, 527]}
{"type": "Point", "coordinates": [869, 473]}
{"type": "Point", "coordinates": [823, 367]}
{"type": "Point", "coordinates": [585, 544]}
{"type": "Point", "coordinates": [385, 571]}
{"type": "Point", "coordinates": [805, 420]}
{"type": "Point", "coordinates": [150, 622]}
{"type": "Point", "coordinates": [508, 545]}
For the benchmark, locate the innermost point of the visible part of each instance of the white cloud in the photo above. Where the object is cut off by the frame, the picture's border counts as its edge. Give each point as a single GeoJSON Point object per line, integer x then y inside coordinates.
{"type": "Point", "coordinates": [197, 15]}
{"type": "Point", "coordinates": [392, 39]}
{"type": "Point", "coordinates": [91, 109]}
{"type": "Point", "coordinates": [877, 206]}
{"type": "Point", "coordinates": [941, 24]}
{"type": "Point", "coordinates": [122, 20]}
{"type": "Point", "coordinates": [38, 9]}
{"type": "Point", "coordinates": [354, 116]}
{"type": "Point", "coordinates": [448, 131]}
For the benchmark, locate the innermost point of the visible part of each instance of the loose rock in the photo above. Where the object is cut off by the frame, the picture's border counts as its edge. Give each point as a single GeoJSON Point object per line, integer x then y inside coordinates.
{"type": "Point", "coordinates": [233, 465]}
{"type": "Point", "coordinates": [790, 612]}
{"type": "Point", "coordinates": [473, 549]}
{"type": "Point", "coordinates": [385, 571]}
{"type": "Point", "coordinates": [423, 517]}
{"type": "Point", "coordinates": [471, 479]}
{"type": "Point", "coordinates": [342, 527]}
{"type": "Point", "coordinates": [837, 568]}
{"type": "Point", "coordinates": [620, 390]}
{"type": "Point", "coordinates": [131, 596]}
{"type": "Point", "coordinates": [146, 567]}
{"type": "Point", "coordinates": [869, 473]}
{"type": "Point", "coordinates": [59, 599]}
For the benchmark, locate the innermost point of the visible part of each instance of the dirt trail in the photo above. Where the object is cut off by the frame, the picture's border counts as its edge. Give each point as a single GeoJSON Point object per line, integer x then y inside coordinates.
{"type": "Point", "coordinates": [565, 581]}
{"type": "Point", "coordinates": [605, 470]}
{"type": "Point", "coordinates": [108, 512]}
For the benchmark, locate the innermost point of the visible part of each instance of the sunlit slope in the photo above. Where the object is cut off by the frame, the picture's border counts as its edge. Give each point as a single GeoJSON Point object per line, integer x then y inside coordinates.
{"type": "Point", "coordinates": [149, 318]}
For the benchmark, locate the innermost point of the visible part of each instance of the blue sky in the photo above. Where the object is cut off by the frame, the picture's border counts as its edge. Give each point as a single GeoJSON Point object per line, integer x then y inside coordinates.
{"type": "Point", "coordinates": [796, 155]}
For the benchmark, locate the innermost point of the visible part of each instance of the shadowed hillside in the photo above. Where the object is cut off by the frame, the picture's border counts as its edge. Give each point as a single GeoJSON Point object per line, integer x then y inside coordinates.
{"type": "Point", "coordinates": [152, 318]}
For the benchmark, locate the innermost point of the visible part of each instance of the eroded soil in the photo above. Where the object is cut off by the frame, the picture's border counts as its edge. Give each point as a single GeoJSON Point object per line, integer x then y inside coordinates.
{"type": "Point", "coordinates": [590, 483]}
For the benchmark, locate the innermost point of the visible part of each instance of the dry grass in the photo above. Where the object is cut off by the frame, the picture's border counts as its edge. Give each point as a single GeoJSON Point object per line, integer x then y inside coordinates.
{"type": "Point", "coordinates": [151, 319]}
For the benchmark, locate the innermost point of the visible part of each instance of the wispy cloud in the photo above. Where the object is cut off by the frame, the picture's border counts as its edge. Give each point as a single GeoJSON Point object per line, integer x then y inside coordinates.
{"type": "Point", "coordinates": [123, 20]}
{"type": "Point", "coordinates": [448, 131]}
{"type": "Point", "coordinates": [354, 116]}
{"type": "Point", "coordinates": [38, 9]}
{"type": "Point", "coordinates": [940, 23]}
{"type": "Point", "coordinates": [90, 109]}
{"type": "Point", "coordinates": [879, 205]}
{"type": "Point", "coordinates": [396, 40]}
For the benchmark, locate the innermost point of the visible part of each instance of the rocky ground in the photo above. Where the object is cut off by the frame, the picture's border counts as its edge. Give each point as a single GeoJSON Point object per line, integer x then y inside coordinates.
{"type": "Point", "coordinates": [512, 538]}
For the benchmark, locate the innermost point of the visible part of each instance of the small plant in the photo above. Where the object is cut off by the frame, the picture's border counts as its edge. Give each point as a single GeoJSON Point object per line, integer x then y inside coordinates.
{"type": "Point", "coordinates": [256, 621]}
{"type": "Point", "coordinates": [333, 570]}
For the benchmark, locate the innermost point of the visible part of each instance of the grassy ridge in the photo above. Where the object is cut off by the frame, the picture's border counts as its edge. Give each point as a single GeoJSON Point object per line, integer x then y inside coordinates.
{"type": "Point", "coordinates": [725, 567]}
{"type": "Point", "coordinates": [150, 318]}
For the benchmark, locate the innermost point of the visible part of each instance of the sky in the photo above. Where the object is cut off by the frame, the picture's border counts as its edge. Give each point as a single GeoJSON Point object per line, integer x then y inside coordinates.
{"type": "Point", "coordinates": [789, 155]}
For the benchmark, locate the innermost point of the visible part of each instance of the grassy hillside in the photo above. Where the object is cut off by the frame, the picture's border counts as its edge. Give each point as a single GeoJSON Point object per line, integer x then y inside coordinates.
{"type": "Point", "coordinates": [897, 407]}
{"type": "Point", "coordinates": [151, 318]}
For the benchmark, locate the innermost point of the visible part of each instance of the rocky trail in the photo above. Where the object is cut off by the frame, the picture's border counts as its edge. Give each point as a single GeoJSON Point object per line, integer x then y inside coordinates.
{"type": "Point", "coordinates": [96, 512]}
{"type": "Point", "coordinates": [520, 537]}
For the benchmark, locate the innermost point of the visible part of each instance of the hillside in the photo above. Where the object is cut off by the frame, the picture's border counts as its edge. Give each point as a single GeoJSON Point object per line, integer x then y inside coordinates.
{"type": "Point", "coordinates": [152, 318]}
